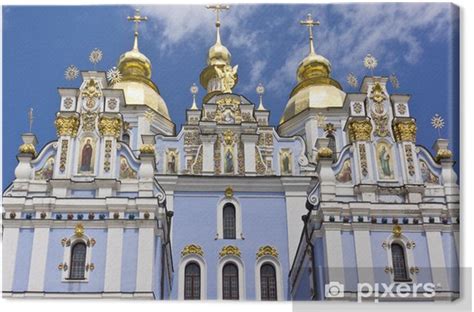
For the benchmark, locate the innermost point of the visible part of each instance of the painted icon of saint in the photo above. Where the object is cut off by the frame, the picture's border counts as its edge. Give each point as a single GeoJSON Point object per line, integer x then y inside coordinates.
{"type": "Point", "coordinates": [229, 162]}
{"type": "Point", "coordinates": [172, 163]}
{"type": "Point", "coordinates": [86, 156]}
{"type": "Point", "coordinates": [286, 164]}
{"type": "Point", "coordinates": [384, 158]}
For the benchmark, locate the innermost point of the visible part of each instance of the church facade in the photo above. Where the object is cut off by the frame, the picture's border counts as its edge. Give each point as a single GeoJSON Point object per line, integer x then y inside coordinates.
{"type": "Point", "coordinates": [338, 195]}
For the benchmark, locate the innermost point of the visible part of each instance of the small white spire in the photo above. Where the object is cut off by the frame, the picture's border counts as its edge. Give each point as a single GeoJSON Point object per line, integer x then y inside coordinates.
{"type": "Point", "coordinates": [260, 91]}
{"type": "Point", "coordinates": [194, 90]}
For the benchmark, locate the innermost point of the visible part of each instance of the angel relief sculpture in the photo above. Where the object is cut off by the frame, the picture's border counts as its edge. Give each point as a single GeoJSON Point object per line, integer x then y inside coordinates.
{"type": "Point", "coordinates": [228, 76]}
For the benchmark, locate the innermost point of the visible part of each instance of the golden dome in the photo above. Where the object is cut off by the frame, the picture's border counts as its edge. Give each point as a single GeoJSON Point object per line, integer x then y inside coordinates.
{"type": "Point", "coordinates": [312, 66]}
{"type": "Point", "coordinates": [218, 55]}
{"type": "Point", "coordinates": [136, 82]}
{"type": "Point", "coordinates": [139, 93]}
{"type": "Point", "coordinates": [315, 88]}
{"type": "Point", "coordinates": [314, 95]}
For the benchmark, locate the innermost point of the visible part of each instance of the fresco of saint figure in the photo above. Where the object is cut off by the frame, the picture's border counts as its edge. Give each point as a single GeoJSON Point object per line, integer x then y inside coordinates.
{"type": "Point", "coordinates": [385, 161]}
{"type": "Point", "coordinates": [345, 175]}
{"type": "Point", "coordinates": [86, 157]}
{"type": "Point", "coordinates": [228, 116]}
{"type": "Point", "coordinates": [171, 163]}
{"type": "Point", "coordinates": [285, 164]}
{"type": "Point", "coordinates": [229, 162]}
{"type": "Point", "coordinates": [427, 175]}
{"type": "Point", "coordinates": [46, 172]}
{"type": "Point", "coordinates": [125, 171]}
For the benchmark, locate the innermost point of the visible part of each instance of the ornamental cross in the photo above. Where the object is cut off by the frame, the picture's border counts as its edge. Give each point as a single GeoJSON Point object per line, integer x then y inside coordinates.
{"type": "Point", "coordinates": [218, 8]}
{"type": "Point", "coordinates": [310, 23]}
{"type": "Point", "coordinates": [137, 18]}
{"type": "Point", "coordinates": [30, 118]}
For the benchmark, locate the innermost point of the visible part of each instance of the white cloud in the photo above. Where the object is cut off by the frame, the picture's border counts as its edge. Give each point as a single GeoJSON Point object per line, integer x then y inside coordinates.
{"type": "Point", "coordinates": [347, 33]}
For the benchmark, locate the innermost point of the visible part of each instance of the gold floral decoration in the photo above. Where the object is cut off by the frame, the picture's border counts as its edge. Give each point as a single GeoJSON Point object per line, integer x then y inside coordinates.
{"type": "Point", "coordinates": [360, 130]}
{"type": "Point", "coordinates": [27, 148]}
{"type": "Point", "coordinates": [79, 230]}
{"type": "Point", "coordinates": [443, 153]}
{"type": "Point", "coordinates": [229, 251]}
{"type": "Point", "coordinates": [377, 94]}
{"type": "Point", "coordinates": [147, 149]}
{"type": "Point", "coordinates": [192, 249]}
{"type": "Point", "coordinates": [405, 130]}
{"type": "Point", "coordinates": [228, 137]}
{"type": "Point", "coordinates": [267, 251]}
{"type": "Point", "coordinates": [229, 192]}
{"type": "Point", "coordinates": [325, 152]}
{"type": "Point", "coordinates": [397, 230]}
{"type": "Point", "coordinates": [67, 125]}
{"type": "Point", "coordinates": [110, 126]}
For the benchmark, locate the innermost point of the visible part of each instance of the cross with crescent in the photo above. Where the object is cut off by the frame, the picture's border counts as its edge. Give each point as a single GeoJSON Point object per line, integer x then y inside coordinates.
{"type": "Point", "coordinates": [309, 22]}
{"type": "Point", "coordinates": [137, 18]}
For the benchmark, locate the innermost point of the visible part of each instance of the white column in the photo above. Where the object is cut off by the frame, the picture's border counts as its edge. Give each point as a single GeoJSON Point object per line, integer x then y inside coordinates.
{"type": "Point", "coordinates": [208, 153]}
{"type": "Point", "coordinates": [363, 249]}
{"type": "Point", "coordinates": [38, 259]}
{"type": "Point", "coordinates": [295, 200]}
{"type": "Point", "coordinates": [113, 264]}
{"type": "Point", "coordinates": [436, 254]}
{"type": "Point", "coordinates": [10, 244]}
{"type": "Point", "coordinates": [146, 242]}
{"type": "Point", "coordinates": [335, 262]}
{"type": "Point", "coordinates": [249, 141]}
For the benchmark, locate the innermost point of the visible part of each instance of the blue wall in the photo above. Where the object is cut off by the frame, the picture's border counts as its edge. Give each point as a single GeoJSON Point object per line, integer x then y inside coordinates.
{"type": "Point", "coordinates": [263, 223]}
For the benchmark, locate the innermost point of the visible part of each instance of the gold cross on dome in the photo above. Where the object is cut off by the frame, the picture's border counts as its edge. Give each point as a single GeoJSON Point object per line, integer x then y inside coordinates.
{"type": "Point", "coordinates": [137, 18]}
{"type": "Point", "coordinates": [310, 23]}
{"type": "Point", "coordinates": [218, 8]}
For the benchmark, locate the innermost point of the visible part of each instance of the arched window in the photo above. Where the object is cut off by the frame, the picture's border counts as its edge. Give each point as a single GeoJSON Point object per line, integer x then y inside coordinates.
{"type": "Point", "coordinates": [78, 261]}
{"type": "Point", "coordinates": [229, 221]}
{"type": "Point", "coordinates": [230, 282]}
{"type": "Point", "coordinates": [126, 138]}
{"type": "Point", "coordinates": [332, 145]}
{"type": "Point", "coordinates": [268, 284]}
{"type": "Point", "coordinates": [399, 263]}
{"type": "Point", "coordinates": [192, 281]}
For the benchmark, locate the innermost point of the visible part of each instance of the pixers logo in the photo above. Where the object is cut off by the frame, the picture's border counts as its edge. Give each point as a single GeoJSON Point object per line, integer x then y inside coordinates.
{"type": "Point", "coordinates": [394, 290]}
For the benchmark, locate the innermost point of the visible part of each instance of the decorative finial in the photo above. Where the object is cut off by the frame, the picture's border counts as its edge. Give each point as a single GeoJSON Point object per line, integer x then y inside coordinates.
{"type": "Point", "coordinates": [370, 62]}
{"type": "Point", "coordinates": [137, 19]}
{"type": "Point", "coordinates": [95, 56]}
{"type": "Point", "coordinates": [394, 81]}
{"type": "Point", "coordinates": [352, 80]}
{"type": "Point", "coordinates": [309, 22]}
{"type": "Point", "coordinates": [260, 91]}
{"type": "Point", "coordinates": [438, 123]}
{"type": "Point", "coordinates": [194, 90]}
{"type": "Point", "coordinates": [71, 73]}
{"type": "Point", "coordinates": [30, 118]}
{"type": "Point", "coordinates": [218, 8]}
{"type": "Point", "coordinates": [114, 75]}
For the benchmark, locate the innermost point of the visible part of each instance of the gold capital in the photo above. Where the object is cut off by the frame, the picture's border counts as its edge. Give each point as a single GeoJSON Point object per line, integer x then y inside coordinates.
{"type": "Point", "coordinates": [110, 126]}
{"type": "Point", "coordinates": [405, 130]}
{"type": "Point", "coordinates": [360, 130]}
{"type": "Point", "coordinates": [67, 126]}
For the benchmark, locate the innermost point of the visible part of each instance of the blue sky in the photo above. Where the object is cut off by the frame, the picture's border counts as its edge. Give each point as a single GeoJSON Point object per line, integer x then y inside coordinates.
{"type": "Point", "coordinates": [417, 42]}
